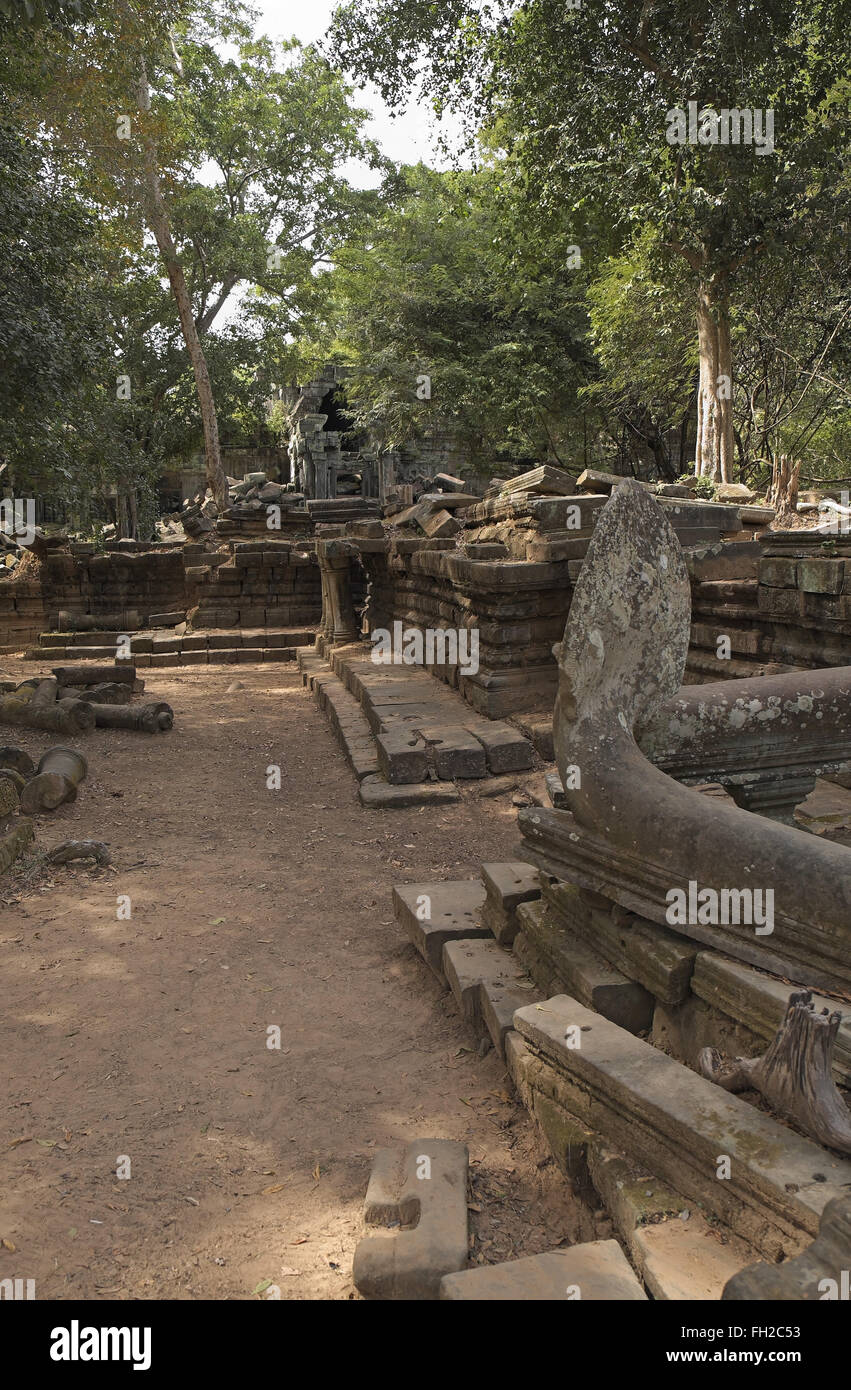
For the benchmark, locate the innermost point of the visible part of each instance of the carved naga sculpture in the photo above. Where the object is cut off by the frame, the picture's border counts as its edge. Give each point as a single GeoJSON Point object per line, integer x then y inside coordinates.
{"type": "Point", "coordinates": [640, 838]}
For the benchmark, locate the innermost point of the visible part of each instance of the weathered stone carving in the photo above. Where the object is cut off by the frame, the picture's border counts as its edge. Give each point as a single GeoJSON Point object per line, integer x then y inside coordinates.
{"type": "Point", "coordinates": [631, 832]}
{"type": "Point", "coordinates": [765, 739]}
{"type": "Point", "coordinates": [339, 623]}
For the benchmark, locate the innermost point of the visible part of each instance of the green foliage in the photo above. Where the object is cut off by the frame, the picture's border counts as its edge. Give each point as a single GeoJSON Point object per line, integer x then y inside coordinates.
{"type": "Point", "coordinates": [443, 283]}
{"type": "Point", "coordinates": [579, 100]}
{"type": "Point", "coordinates": [250, 138]}
{"type": "Point", "coordinates": [702, 486]}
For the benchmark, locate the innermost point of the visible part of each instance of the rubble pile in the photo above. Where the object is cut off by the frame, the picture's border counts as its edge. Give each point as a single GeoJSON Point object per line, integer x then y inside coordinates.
{"type": "Point", "coordinates": [249, 501]}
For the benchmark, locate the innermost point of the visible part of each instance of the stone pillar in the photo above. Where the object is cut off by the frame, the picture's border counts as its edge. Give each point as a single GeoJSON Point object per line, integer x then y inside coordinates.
{"type": "Point", "coordinates": [325, 631]}
{"type": "Point", "coordinates": [339, 623]}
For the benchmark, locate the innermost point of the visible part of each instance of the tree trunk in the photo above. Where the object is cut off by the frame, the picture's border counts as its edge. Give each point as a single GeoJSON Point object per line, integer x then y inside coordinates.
{"type": "Point", "coordinates": [715, 442]}
{"type": "Point", "coordinates": [783, 493]}
{"type": "Point", "coordinates": [122, 521]}
{"type": "Point", "coordinates": [158, 219]}
{"type": "Point", "coordinates": [795, 1075]}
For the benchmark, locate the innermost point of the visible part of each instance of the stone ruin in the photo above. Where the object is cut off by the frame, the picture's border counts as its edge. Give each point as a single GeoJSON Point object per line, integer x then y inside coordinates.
{"type": "Point", "coordinates": [665, 966]}
{"type": "Point", "coordinates": [646, 1026]}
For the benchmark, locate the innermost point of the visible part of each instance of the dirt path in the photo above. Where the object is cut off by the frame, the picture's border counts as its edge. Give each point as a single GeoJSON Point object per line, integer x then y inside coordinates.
{"type": "Point", "coordinates": [147, 1038]}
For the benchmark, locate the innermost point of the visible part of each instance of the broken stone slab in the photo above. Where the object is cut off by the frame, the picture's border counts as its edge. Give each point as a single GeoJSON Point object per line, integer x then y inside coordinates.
{"type": "Point", "coordinates": [596, 480]}
{"type": "Point", "coordinates": [434, 913]}
{"type": "Point", "coordinates": [453, 751]}
{"type": "Point", "coordinates": [418, 1193]}
{"type": "Point", "coordinates": [379, 795]}
{"type": "Point", "coordinates": [448, 483]}
{"type": "Point", "coordinates": [596, 1271]}
{"type": "Point", "coordinates": [821, 1272]}
{"type": "Point", "coordinates": [506, 887]}
{"type": "Point", "coordinates": [451, 501]}
{"type": "Point", "coordinates": [660, 1114]}
{"type": "Point", "coordinates": [545, 479]}
{"type": "Point", "coordinates": [488, 985]}
{"type": "Point", "coordinates": [579, 968]}
{"type": "Point", "coordinates": [439, 524]}
{"type": "Point", "coordinates": [167, 619]}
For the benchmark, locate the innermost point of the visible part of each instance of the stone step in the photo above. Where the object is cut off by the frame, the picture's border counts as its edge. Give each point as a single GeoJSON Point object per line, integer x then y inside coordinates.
{"type": "Point", "coordinates": [760, 1178]}
{"type": "Point", "coordinates": [658, 959]}
{"type": "Point", "coordinates": [676, 1252]}
{"type": "Point", "coordinates": [488, 985]}
{"type": "Point", "coordinates": [506, 887]}
{"type": "Point", "coordinates": [192, 649]}
{"type": "Point", "coordinates": [393, 695]}
{"type": "Point", "coordinates": [558, 960]}
{"type": "Point", "coordinates": [707, 667]}
{"type": "Point", "coordinates": [434, 913]}
{"type": "Point", "coordinates": [596, 1271]}
{"type": "Point", "coordinates": [423, 734]}
{"type": "Point", "coordinates": [346, 719]}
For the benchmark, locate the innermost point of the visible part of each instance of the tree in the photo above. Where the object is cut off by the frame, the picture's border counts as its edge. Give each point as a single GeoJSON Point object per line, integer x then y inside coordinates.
{"type": "Point", "coordinates": [54, 323]}
{"type": "Point", "coordinates": [589, 99]}
{"type": "Point", "coordinates": [447, 316]}
{"type": "Point", "coordinates": [135, 105]}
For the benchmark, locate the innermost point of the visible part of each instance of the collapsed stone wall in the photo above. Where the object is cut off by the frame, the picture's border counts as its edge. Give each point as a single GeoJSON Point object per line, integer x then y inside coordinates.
{"type": "Point", "coordinates": [254, 584]}
{"type": "Point", "coordinates": [506, 570]}
{"type": "Point", "coordinates": [22, 613]}
{"type": "Point", "coordinates": [75, 579]}
{"type": "Point", "coordinates": [784, 601]}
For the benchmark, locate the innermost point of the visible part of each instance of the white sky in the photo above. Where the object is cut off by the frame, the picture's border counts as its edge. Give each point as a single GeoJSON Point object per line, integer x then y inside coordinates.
{"type": "Point", "coordinates": [406, 138]}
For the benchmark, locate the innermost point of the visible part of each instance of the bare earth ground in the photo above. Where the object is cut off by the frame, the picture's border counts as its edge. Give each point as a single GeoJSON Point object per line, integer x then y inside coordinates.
{"type": "Point", "coordinates": [146, 1038]}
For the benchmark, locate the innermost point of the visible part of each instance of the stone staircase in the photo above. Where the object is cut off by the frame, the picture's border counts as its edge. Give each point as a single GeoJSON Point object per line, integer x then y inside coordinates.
{"type": "Point", "coordinates": [699, 1183]}
{"type": "Point", "coordinates": [153, 648]}
{"type": "Point", "coordinates": [407, 737]}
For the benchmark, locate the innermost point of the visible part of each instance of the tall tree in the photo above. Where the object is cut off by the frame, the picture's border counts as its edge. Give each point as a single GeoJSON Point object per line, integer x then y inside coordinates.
{"type": "Point", "coordinates": [232, 162]}
{"type": "Point", "coordinates": [622, 103]}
